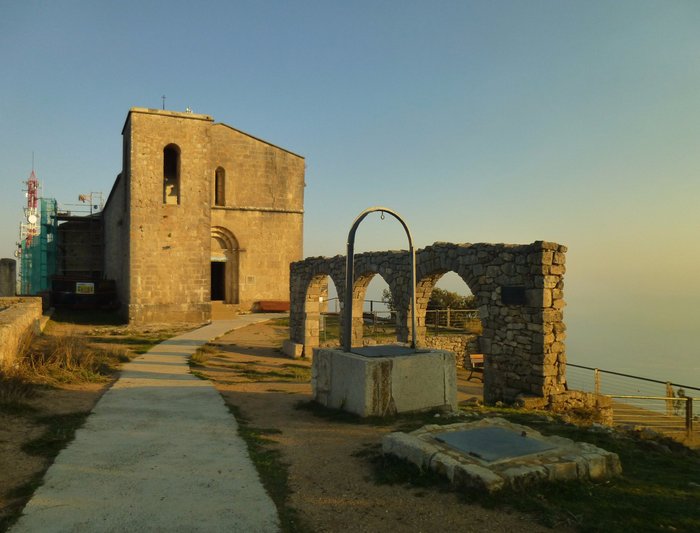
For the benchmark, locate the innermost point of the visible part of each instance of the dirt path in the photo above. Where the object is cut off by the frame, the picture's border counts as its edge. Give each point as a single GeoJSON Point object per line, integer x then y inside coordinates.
{"type": "Point", "coordinates": [333, 488]}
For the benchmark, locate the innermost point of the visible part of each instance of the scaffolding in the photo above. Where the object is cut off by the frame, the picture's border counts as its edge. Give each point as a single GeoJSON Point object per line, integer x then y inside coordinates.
{"type": "Point", "coordinates": [38, 254]}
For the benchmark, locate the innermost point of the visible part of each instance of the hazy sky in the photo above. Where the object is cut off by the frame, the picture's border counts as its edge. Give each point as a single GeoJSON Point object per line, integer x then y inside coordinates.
{"type": "Point", "coordinates": [478, 121]}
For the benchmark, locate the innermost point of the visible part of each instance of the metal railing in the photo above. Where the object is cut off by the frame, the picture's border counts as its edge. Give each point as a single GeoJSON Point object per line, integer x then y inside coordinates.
{"type": "Point", "coordinates": [663, 406]}
{"type": "Point", "coordinates": [379, 322]}
{"type": "Point", "coordinates": [445, 320]}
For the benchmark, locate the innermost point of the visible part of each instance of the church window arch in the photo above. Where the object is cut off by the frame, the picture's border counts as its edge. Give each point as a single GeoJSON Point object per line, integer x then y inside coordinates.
{"type": "Point", "coordinates": [171, 174]}
{"type": "Point", "coordinates": [220, 186]}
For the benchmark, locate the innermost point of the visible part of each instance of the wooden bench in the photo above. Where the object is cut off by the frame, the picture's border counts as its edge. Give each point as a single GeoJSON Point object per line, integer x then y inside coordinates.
{"type": "Point", "coordinates": [272, 306]}
{"type": "Point", "coordinates": [477, 362]}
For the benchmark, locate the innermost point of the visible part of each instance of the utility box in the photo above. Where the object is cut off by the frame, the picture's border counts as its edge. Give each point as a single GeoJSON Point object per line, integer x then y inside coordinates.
{"type": "Point", "coordinates": [8, 277]}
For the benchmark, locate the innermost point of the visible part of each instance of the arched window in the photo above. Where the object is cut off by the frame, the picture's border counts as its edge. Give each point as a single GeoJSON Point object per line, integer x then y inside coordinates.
{"type": "Point", "coordinates": [220, 187]}
{"type": "Point", "coordinates": [171, 174]}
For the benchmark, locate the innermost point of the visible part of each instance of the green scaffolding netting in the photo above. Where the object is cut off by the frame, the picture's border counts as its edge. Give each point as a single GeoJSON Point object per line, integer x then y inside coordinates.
{"type": "Point", "coordinates": [38, 260]}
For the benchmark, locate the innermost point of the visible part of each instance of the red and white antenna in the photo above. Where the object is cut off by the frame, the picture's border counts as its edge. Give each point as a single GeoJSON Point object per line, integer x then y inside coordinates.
{"type": "Point", "coordinates": [31, 228]}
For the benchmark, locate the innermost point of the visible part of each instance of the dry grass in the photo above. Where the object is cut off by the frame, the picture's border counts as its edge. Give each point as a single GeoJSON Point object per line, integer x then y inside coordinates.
{"type": "Point", "coordinates": [53, 360]}
{"type": "Point", "coordinates": [202, 355]}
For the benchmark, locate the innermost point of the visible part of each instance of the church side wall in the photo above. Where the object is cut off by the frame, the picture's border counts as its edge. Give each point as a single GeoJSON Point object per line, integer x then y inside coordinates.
{"type": "Point", "coordinates": [115, 218]}
{"type": "Point", "coordinates": [169, 267]}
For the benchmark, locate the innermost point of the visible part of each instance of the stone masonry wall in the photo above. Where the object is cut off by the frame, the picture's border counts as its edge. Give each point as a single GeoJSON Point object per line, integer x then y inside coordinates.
{"type": "Point", "coordinates": [19, 319]}
{"type": "Point", "coordinates": [460, 345]}
{"type": "Point", "coordinates": [169, 260]}
{"type": "Point", "coordinates": [116, 224]}
{"type": "Point", "coordinates": [263, 208]}
{"type": "Point", "coordinates": [161, 254]}
{"type": "Point", "coordinates": [519, 290]}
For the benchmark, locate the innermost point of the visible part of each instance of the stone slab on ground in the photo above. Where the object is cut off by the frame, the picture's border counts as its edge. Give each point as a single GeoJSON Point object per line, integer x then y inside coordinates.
{"type": "Point", "coordinates": [160, 452]}
{"type": "Point", "coordinates": [564, 459]}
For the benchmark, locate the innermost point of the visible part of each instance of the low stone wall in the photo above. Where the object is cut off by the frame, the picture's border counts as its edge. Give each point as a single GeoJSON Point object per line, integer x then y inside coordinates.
{"type": "Point", "coordinates": [460, 345]}
{"type": "Point", "coordinates": [20, 318]}
{"type": "Point", "coordinates": [599, 407]}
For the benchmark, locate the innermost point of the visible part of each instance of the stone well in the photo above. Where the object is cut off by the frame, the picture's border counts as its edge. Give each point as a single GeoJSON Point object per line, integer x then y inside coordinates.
{"type": "Point", "coordinates": [384, 380]}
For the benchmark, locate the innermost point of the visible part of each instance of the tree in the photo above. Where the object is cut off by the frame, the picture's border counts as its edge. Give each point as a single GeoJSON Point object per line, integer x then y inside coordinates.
{"type": "Point", "coordinates": [388, 299]}
{"type": "Point", "coordinates": [444, 299]}
{"type": "Point", "coordinates": [439, 299]}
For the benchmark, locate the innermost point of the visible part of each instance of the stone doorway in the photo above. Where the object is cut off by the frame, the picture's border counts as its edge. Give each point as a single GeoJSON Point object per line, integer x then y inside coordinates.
{"type": "Point", "coordinates": [218, 281]}
{"type": "Point", "coordinates": [224, 266]}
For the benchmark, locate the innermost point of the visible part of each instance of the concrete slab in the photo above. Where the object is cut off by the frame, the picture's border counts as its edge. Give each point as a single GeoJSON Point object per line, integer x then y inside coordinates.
{"type": "Point", "coordinates": [160, 452]}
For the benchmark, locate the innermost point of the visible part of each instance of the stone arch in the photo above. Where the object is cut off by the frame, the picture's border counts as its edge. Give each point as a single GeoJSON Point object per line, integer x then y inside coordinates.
{"type": "Point", "coordinates": [519, 291]}
{"type": "Point", "coordinates": [171, 174]}
{"type": "Point", "coordinates": [306, 286]}
{"type": "Point", "coordinates": [225, 252]}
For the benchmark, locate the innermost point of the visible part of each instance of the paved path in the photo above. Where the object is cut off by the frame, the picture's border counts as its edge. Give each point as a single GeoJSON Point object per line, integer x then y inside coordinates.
{"type": "Point", "coordinates": [160, 452]}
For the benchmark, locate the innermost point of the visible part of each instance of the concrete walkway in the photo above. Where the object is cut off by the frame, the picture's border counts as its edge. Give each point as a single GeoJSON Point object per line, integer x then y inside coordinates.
{"type": "Point", "coordinates": [160, 452]}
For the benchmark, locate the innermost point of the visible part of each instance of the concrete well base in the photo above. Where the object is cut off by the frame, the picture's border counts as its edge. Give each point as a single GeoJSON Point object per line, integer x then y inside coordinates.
{"type": "Point", "coordinates": [381, 386]}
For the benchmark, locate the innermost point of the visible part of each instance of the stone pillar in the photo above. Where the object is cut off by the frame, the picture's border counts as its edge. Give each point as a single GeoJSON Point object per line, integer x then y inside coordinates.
{"type": "Point", "coordinates": [7, 277]}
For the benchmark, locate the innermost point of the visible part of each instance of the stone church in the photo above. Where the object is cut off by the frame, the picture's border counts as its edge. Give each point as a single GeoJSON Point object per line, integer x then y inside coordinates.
{"type": "Point", "coordinates": [202, 215]}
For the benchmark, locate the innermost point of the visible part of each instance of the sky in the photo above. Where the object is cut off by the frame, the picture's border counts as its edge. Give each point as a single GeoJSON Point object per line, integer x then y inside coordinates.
{"type": "Point", "coordinates": [478, 121]}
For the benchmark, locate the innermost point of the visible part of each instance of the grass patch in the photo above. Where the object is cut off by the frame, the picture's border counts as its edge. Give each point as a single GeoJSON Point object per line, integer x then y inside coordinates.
{"type": "Point", "coordinates": [69, 359]}
{"type": "Point", "coordinates": [19, 497]}
{"type": "Point", "coordinates": [274, 473]}
{"type": "Point", "coordinates": [59, 432]}
{"type": "Point", "coordinates": [658, 491]}
{"type": "Point", "coordinates": [96, 317]}
{"type": "Point", "coordinates": [202, 355]}
{"type": "Point", "coordinates": [15, 389]}
{"type": "Point", "coordinates": [403, 422]}
{"type": "Point", "coordinates": [53, 360]}
{"type": "Point", "coordinates": [285, 372]}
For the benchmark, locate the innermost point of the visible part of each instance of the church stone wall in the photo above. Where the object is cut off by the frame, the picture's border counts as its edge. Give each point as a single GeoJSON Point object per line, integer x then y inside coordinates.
{"type": "Point", "coordinates": [164, 255]}
{"type": "Point", "coordinates": [116, 225]}
{"type": "Point", "coordinates": [262, 208]}
{"type": "Point", "coordinates": [168, 271]}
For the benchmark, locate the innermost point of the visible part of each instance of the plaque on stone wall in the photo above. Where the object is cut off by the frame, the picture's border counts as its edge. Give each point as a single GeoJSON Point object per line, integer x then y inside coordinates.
{"type": "Point", "coordinates": [513, 296]}
{"type": "Point", "coordinates": [84, 288]}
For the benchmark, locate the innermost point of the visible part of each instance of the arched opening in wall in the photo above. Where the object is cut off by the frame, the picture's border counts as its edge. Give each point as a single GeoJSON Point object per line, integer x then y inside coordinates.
{"type": "Point", "coordinates": [448, 315]}
{"type": "Point", "coordinates": [224, 266]}
{"type": "Point", "coordinates": [374, 318]}
{"type": "Point", "coordinates": [171, 174]}
{"type": "Point", "coordinates": [220, 187]}
{"type": "Point", "coordinates": [321, 313]}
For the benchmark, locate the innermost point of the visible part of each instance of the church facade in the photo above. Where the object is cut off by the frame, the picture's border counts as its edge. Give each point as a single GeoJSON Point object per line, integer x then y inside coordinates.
{"type": "Point", "coordinates": [201, 213]}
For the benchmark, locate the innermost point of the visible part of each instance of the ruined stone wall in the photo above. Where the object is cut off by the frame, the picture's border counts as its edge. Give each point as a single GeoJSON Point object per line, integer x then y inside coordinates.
{"type": "Point", "coordinates": [8, 277]}
{"type": "Point", "coordinates": [116, 224]}
{"type": "Point", "coordinates": [519, 290]}
{"type": "Point", "coordinates": [169, 258]}
{"type": "Point", "coordinates": [460, 345]}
